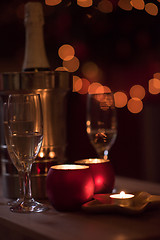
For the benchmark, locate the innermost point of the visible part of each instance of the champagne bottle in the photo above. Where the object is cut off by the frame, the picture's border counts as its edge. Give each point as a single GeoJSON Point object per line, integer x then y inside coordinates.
{"type": "Point", "coordinates": [35, 58]}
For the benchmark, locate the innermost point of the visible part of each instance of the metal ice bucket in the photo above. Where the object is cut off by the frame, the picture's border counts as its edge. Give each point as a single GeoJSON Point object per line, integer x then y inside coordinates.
{"type": "Point", "coordinates": [53, 88]}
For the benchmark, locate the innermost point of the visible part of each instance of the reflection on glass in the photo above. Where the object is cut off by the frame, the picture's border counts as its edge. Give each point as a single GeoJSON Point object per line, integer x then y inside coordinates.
{"type": "Point", "coordinates": [101, 123]}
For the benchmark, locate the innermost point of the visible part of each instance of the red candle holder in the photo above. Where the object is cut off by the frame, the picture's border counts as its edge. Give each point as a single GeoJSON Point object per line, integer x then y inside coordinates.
{"type": "Point", "coordinates": [102, 172]}
{"type": "Point", "coordinates": [68, 186]}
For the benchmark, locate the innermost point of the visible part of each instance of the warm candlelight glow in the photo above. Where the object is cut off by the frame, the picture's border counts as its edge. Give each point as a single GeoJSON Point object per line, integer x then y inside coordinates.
{"type": "Point", "coordinates": [41, 154]}
{"type": "Point", "coordinates": [93, 161]}
{"type": "Point", "coordinates": [69, 167]}
{"type": "Point", "coordinates": [52, 154]}
{"type": "Point", "coordinates": [121, 195]}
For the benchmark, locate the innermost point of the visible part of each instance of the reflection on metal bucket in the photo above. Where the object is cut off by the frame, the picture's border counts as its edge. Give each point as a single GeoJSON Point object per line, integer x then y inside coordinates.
{"type": "Point", "coordinates": [53, 88]}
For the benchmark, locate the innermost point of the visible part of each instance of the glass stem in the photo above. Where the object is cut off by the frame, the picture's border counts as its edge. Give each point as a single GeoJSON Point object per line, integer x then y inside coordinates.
{"type": "Point", "coordinates": [21, 185]}
{"type": "Point", "coordinates": [27, 185]}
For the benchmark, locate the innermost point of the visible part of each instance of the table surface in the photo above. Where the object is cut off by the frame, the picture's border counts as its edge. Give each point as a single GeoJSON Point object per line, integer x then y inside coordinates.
{"type": "Point", "coordinates": [81, 225]}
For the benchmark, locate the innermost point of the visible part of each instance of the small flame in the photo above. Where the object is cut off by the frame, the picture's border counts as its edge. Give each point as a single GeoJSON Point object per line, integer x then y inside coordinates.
{"type": "Point", "coordinates": [122, 194]}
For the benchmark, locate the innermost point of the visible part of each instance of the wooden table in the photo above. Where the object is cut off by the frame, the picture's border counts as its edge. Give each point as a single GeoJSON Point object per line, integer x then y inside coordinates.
{"type": "Point", "coordinates": [83, 226]}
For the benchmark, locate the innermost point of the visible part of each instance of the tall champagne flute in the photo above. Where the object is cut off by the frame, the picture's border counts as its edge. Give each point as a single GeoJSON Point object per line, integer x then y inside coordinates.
{"type": "Point", "coordinates": [12, 156]}
{"type": "Point", "coordinates": [25, 126]}
{"type": "Point", "coordinates": [101, 123]}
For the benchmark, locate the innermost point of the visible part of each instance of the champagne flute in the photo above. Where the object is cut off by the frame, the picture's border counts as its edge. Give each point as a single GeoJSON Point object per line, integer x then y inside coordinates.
{"type": "Point", "coordinates": [12, 156]}
{"type": "Point", "coordinates": [25, 138]}
{"type": "Point", "coordinates": [101, 123]}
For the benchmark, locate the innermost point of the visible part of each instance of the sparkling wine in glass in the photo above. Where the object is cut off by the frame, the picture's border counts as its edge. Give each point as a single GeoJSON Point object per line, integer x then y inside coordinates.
{"type": "Point", "coordinates": [25, 134]}
{"type": "Point", "coordinates": [12, 157]}
{"type": "Point", "coordinates": [101, 123]}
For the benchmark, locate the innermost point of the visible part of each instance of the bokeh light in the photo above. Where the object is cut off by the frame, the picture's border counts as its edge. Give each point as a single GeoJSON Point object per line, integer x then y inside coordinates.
{"type": "Point", "coordinates": [84, 3]}
{"type": "Point", "coordinates": [92, 89]}
{"type": "Point", "coordinates": [66, 52]}
{"type": "Point", "coordinates": [137, 91]}
{"type": "Point", "coordinates": [157, 75]}
{"type": "Point", "coordinates": [85, 86]}
{"type": "Point", "coordinates": [90, 70]}
{"type": "Point", "coordinates": [151, 8]}
{"type": "Point", "coordinates": [52, 2]}
{"type": "Point", "coordinates": [41, 154]}
{"type": "Point", "coordinates": [63, 69]}
{"type": "Point", "coordinates": [138, 4]}
{"type": "Point", "coordinates": [72, 65]}
{"type": "Point", "coordinates": [77, 83]}
{"type": "Point", "coordinates": [105, 6]}
{"type": "Point", "coordinates": [103, 89]}
{"type": "Point", "coordinates": [154, 86]}
{"type": "Point", "coordinates": [52, 154]}
{"type": "Point", "coordinates": [120, 99]}
{"type": "Point", "coordinates": [125, 5]}
{"type": "Point", "coordinates": [135, 105]}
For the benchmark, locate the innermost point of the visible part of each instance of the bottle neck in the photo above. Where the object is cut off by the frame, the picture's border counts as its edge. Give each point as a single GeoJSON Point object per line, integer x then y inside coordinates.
{"type": "Point", "coordinates": [35, 54]}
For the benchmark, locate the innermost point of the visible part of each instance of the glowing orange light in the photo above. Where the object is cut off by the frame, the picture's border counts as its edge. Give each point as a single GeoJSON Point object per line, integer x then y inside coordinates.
{"type": "Point", "coordinates": [105, 6]}
{"type": "Point", "coordinates": [52, 154]}
{"type": "Point", "coordinates": [84, 3]}
{"type": "Point", "coordinates": [69, 166]}
{"type": "Point", "coordinates": [92, 89]}
{"type": "Point", "coordinates": [90, 70]}
{"type": "Point", "coordinates": [72, 65]}
{"type": "Point", "coordinates": [151, 8]}
{"type": "Point", "coordinates": [154, 86]}
{"type": "Point", "coordinates": [137, 91]}
{"type": "Point", "coordinates": [66, 52]}
{"type": "Point", "coordinates": [156, 75]}
{"type": "Point", "coordinates": [103, 89]}
{"type": "Point", "coordinates": [52, 2]}
{"type": "Point", "coordinates": [85, 86]}
{"type": "Point", "coordinates": [135, 105]}
{"type": "Point", "coordinates": [125, 5]}
{"type": "Point", "coordinates": [88, 122]}
{"type": "Point", "coordinates": [63, 69]}
{"type": "Point", "coordinates": [120, 99]}
{"type": "Point", "coordinates": [138, 4]}
{"type": "Point", "coordinates": [77, 83]}
{"type": "Point", "coordinates": [88, 129]}
{"type": "Point", "coordinates": [41, 154]}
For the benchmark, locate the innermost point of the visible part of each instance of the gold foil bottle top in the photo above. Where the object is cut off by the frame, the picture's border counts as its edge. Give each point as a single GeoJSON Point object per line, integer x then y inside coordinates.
{"type": "Point", "coordinates": [33, 13]}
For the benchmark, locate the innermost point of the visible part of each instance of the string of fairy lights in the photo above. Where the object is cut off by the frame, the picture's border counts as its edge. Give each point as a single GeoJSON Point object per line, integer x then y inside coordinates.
{"type": "Point", "coordinates": [90, 70]}
{"type": "Point", "coordinates": [107, 6]}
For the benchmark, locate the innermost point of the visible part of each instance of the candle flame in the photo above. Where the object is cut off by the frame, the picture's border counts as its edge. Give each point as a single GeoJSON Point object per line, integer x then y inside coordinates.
{"type": "Point", "coordinates": [122, 194]}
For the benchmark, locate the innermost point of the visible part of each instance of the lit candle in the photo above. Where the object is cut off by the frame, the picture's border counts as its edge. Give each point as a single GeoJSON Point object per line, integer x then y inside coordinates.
{"type": "Point", "coordinates": [122, 195]}
{"type": "Point", "coordinates": [68, 186]}
{"type": "Point", "coordinates": [102, 172]}
{"type": "Point", "coordinates": [122, 199]}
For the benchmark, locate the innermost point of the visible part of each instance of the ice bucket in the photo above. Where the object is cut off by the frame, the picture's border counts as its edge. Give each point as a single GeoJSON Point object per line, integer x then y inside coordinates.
{"type": "Point", "coordinates": [54, 88]}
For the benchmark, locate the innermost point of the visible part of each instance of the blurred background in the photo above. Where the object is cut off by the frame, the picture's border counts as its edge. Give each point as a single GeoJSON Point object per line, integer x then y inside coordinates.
{"type": "Point", "coordinates": [115, 43]}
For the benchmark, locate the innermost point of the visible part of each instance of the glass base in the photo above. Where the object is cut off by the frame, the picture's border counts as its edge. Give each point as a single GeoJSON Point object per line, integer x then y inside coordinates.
{"type": "Point", "coordinates": [15, 202]}
{"type": "Point", "coordinates": [28, 207]}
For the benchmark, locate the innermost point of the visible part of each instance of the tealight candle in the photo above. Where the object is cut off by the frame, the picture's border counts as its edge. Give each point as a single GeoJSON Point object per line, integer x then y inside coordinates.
{"type": "Point", "coordinates": [68, 186]}
{"type": "Point", "coordinates": [121, 195]}
{"type": "Point", "coordinates": [102, 172]}
{"type": "Point", "coordinates": [122, 198]}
